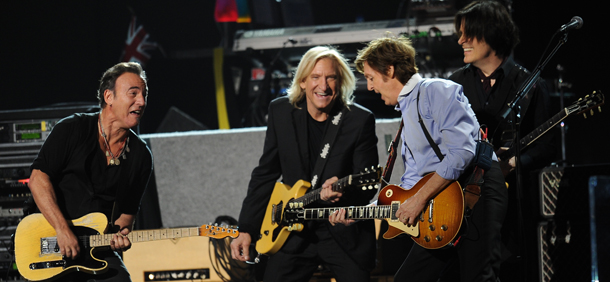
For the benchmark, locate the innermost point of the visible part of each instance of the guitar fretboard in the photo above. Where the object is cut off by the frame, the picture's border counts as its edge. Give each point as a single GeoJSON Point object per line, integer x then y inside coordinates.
{"type": "Point", "coordinates": [146, 235]}
{"type": "Point", "coordinates": [362, 212]}
{"type": "Point", "coordinates": [314, 195]}
{"type": "Point", "coordinates": [543, 128]}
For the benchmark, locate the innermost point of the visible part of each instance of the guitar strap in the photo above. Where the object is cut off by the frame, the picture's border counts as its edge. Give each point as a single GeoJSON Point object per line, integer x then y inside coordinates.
{"type": "Point", "coordinates": [472, 189]}
{"type": "Point", "coordinates": [328, 140]}
{"type": "Point", "coordinates": [389, 165]}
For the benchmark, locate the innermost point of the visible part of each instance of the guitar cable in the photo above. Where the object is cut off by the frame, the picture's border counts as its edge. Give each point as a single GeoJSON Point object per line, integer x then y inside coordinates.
{"type": "Point", "coordinates": [220, 256]}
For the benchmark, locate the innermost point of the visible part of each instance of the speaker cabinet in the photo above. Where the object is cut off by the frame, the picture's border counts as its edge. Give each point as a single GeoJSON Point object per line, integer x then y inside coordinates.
{"type": "Point", "coordinates": [567, 246]}
{"type": "Point", "coordinates": [184, 259]}
{"type": "Point", "coordinates": [549, 180]}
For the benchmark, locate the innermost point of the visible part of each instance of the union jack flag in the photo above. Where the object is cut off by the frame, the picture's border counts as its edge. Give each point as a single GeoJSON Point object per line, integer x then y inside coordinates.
{"type": "Point", "coordinates": [138, 44]}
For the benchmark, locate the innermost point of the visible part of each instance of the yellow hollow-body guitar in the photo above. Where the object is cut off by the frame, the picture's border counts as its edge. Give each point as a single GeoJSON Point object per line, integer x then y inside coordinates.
{"type": "Point", "coordinates": [274, 231]}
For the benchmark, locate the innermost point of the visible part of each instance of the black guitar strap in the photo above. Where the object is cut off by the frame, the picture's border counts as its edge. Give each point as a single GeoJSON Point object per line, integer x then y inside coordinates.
{"type": "Point", "coordinates": [327, 142]}
{"type": "Point", "coordinates": [434, 146]}
{"type": "Point", "coordinates": [472, 180]}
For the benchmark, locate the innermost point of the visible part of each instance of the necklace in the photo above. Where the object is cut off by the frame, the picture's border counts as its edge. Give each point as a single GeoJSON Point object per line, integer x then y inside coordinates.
{"type": "Point", "coordinates": [124, 147]}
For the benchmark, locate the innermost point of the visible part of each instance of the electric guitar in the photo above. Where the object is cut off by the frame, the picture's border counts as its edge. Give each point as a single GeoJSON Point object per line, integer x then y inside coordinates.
{"type": "Point", "coordinates": [595, 99]}
{"type": "Point", "coordinates": [274, 232]}
{"type": "Point", "coordinates": [437, 226]}
{"type": "Point", "coordinates": [37, 254]}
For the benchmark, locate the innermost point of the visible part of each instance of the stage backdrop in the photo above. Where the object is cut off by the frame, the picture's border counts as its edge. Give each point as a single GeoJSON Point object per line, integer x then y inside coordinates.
{"type": "Point", "coordinates": [201, 175]}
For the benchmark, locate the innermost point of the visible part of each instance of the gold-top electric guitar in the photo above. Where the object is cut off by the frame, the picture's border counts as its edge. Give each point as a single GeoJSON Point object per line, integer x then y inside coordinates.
{"type": "Point", "coordinates": [273, 230]}
{"type": "Point", "coordinates": [37, 254]}
{"type": "Point", "coordinates": [437, 226]}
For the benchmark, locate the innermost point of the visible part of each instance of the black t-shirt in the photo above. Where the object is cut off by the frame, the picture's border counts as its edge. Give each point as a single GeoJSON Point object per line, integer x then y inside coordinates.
{"type": "Point", "coordinates": [82, 180]}
{"type": "Point", "coordinates": [315, 130]}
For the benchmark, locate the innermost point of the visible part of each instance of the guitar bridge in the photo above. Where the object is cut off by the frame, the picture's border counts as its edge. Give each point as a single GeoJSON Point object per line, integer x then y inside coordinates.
{"type": "Point", "coordinates": [48, 264]}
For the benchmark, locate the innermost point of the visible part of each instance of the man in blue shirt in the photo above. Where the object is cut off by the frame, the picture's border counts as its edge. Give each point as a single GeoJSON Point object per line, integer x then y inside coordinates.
{"type": "Point", "coordinates": [388, 64]}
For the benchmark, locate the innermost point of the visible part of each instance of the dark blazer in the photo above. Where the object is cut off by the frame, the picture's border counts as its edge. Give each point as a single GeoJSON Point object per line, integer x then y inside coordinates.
{"type": "Point", "coordinates": [285, 155]}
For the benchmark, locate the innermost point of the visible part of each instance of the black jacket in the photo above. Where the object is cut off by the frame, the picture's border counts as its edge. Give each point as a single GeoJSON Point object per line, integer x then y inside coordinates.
{"type": "Point", "coordinates": [285, 155]}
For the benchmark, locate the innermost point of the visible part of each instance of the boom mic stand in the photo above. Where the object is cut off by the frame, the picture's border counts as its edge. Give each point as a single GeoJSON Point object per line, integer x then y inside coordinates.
{"type": "Point", "coordinates": [514, 107]}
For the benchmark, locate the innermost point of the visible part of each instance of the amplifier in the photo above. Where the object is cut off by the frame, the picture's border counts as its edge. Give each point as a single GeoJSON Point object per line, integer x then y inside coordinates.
{"type": "Point", "coordinates": [549, 180]}
{"type": "Point", "coordinates": [568, 242]}
{"type": "Point", "coordinates": [545, 264]}
{"type": "Point", "coordinates": [183, 259]}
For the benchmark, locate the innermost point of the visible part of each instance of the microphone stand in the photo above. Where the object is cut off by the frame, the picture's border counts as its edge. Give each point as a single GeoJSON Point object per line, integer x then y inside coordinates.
{"type": "Point", "coordinates": [514, 107]}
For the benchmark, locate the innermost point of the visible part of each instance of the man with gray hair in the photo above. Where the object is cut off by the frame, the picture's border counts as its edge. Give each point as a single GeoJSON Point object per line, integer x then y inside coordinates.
{"type": "Point", "coordinates": [319, 105]}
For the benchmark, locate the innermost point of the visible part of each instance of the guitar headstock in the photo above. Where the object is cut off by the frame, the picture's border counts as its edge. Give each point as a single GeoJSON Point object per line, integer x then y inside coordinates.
{"type": "Point", "coordinates": [218, 232]}
{"type": "Point", "coordinates": [595, 99]}
{"type": "Point", "coordinates": [369, 179]}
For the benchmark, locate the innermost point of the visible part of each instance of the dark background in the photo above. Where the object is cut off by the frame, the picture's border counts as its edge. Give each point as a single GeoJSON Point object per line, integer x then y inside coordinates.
{"type": "Point", "coordinates": [54, 53]}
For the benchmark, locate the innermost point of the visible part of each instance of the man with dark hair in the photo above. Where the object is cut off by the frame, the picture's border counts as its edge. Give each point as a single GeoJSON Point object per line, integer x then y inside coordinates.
{"type": "Point", "coordinates": [388, 64]}
{"type": "Point", "coordinates": [319, 102]}
{"type": "Point", "coordinates": [96, 163]}
{"type": "Point", "coordinates": [491, 80]}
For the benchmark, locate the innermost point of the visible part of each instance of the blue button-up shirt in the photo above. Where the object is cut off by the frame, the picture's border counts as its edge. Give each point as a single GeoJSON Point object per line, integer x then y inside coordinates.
{"type": "Point", "coordinates": [450, 121]}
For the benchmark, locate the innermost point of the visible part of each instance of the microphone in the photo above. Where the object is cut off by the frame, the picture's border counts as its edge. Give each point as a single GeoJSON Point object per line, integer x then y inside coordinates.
{"type": "Point", "coordinates": [575, 23]}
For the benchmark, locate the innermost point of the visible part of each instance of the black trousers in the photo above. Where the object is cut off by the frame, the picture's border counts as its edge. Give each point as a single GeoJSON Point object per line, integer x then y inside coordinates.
{"type": "Point", "coordinates": [300, 265]}
{"type": "Point", "coordinates": [477, 255]}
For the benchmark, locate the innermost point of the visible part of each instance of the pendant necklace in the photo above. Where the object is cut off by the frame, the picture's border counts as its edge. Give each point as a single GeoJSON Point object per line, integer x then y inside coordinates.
{"type": "Point", "coordinates": [124, 147]}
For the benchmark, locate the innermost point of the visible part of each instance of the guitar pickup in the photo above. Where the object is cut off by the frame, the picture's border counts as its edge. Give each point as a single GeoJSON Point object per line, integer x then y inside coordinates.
{"type": "Point", "coordinates": [276, 213]}
{"type": "Point", "coordinates": [48, 245]}
{"type": "Point", "coordinates": [395, 205]}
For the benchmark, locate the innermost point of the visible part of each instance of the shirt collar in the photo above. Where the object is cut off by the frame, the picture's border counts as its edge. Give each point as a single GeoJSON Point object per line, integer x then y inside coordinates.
{"type": "Point", "coordinates": [408, 88]}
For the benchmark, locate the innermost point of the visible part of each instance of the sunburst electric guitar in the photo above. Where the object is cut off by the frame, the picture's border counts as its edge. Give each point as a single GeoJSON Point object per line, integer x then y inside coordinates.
{"type": "Point", "coordinates": [437, 226]}
{"type": "Point", "coordinates": [274, 231]}
{"type": "Point", "coordinates": [37, 254]}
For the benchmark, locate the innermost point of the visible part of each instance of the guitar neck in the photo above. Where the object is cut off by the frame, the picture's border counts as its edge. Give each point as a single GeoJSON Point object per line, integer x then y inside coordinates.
{"type": "Point", "coordinates": [314, 195]}
{"type": "Point", "coordinates": [543, 128]}
{"type": "Point", "coordinates": [362, 212]}
{"type": "Point", "coordinates": [536, 133]}
{"type": "Point", "coordinates": [214, 231]}
{"type": "Point", "coordinates": [149, 235]}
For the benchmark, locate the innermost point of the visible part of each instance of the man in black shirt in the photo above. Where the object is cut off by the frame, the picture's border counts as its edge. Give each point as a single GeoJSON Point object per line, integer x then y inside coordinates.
{"type": "Point", "coordinates": [491, 80]}
{"type": "Point", "coordinates": [96, 163]}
